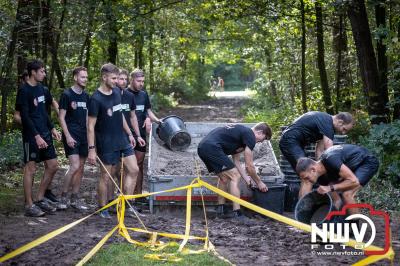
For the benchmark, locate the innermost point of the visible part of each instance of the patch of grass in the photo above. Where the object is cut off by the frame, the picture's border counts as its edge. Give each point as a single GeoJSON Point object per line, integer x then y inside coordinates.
{"type": "Point", "coordinates": [127, 254]}
{"type": "Point", "coordinates": [10, 199]}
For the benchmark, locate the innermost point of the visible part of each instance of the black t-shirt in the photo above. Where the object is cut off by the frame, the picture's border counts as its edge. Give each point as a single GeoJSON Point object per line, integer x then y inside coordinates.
{"type": "Point", "coordinates": [231, 138]}
{"type": "Point", "coordinates": [76, 112]}
{"type": "Point", "coordinates": [311, 127]}
{"type": "Point", "coordinates": [142, 102]}
{"type": "Point", "coordinates": [46, 93]}
{"type": "Point", "coordinates": [350, 155]}
{"type": "Point", "coordinates": [109, 131]}
{"type": "Point", "coordinates": [127, 105]}
{"type": "Point", "coordinates": [31, 102]}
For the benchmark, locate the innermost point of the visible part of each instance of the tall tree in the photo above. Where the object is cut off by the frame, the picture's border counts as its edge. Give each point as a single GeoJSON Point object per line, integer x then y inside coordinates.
{"type": "Point", "coordinates": [377, 104]}
{"type": "Point", "coordinates": [326, 93]}
{"type": "Point", "coordinates": [112, 27]}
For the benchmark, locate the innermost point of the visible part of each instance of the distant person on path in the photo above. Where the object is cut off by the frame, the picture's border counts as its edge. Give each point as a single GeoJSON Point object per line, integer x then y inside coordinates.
{"type": "Point", "coordinates": [144, 116]}
{"type": "Point", "coordinates": [234, 139]}
{"type": "Point", "coordinates": [73, 120]}
{"type": "Point", "coordinates": [109, 137]}
{"type": "Point", "coordinates": [342, 168]}
{"type": "Point", "coordinates": [37, 133]}
{"type": "Point", "coordinates": [309, 128]}
{"type": "Point", "coordinates": [221, 84]}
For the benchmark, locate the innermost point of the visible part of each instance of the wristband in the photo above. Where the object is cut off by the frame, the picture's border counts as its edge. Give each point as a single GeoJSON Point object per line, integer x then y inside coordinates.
{"type": "Point", "coordinates": [332, 188]}
{"type": "Point", "coordinates": [92, 147]}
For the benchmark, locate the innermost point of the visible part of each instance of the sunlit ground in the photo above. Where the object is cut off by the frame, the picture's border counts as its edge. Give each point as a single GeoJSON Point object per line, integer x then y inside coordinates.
{"type": "Point", "coordinates": [232, 94]}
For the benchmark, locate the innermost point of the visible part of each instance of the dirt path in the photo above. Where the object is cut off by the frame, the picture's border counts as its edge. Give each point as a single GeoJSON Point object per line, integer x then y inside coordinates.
{"type": "Point", "coordinates": [261, 242]}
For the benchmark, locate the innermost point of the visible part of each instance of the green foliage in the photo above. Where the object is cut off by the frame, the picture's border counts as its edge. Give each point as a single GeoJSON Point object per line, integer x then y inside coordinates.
{"type": "Point", "coordinates": [381, 194]}
{"type": "Point", "coordinates": [384, 141]}
{"type": "Point", "coordinates": [10, 150]}
{"type": "Point", "coordinates": [127, 254]}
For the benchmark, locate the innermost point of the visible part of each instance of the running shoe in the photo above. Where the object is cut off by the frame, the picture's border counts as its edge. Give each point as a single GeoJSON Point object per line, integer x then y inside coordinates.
{"type": "Point", "coordinates": [105, 214]}
{"type": "Point", "coordinates": [33, 211]}
{"type": "Point", "coordinates": [78, 204]}
{"type": "Point", "coordinates": [50, 196]}
{"type": "Point", "coordinates": [45, 206]}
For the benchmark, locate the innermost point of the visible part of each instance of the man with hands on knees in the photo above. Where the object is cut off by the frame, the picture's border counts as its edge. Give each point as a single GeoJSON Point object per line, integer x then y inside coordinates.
{"type": "Point", "coordinates": [233, 139]}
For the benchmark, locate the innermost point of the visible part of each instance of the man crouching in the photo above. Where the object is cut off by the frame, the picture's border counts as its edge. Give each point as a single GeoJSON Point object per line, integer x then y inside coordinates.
{"type": "Point", "coordinates": [341, 168]}
{"type": "Point", "coordinates": [233, 140]}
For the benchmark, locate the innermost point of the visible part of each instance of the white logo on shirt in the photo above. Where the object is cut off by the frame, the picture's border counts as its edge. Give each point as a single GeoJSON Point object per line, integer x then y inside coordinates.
{"type": "Point", "coordinates": [116, 108]}
{"type": "Point", "coordinates": [81, 104]}
{"type": "Point", "coordinates": [125, 107]}
{"type": "Point", "coordinates": [41, 99]}
{"type": "Point", "coordinates": [139, 107]}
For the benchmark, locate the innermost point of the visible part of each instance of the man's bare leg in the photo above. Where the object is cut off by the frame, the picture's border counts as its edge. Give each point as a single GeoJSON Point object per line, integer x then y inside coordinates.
{"type": "Point", "coordinates": [139, 180]}
{"type": "Point", "coordinates": [29, 172]}
{"type": "Point", "coordinates": [50, 169]}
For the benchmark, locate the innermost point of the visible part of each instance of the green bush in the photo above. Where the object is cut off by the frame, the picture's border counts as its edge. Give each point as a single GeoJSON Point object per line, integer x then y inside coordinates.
{"type": "Point", "coordinates": [384, 141]}
{"type": "Point", "coordinates": [10, 150]}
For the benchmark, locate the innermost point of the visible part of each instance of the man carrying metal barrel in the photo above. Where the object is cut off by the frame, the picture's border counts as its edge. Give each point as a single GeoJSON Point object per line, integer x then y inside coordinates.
{"type": "Point", "coordinates": [221, 142]}
{"type": "Point", "coordinates": [309, 128]}
{"type": "Point", "coordinates": [341, 168]}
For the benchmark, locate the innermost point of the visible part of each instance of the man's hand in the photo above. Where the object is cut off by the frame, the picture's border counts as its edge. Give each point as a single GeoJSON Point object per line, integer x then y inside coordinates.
{"type": "Point", "coordinates": [70, 141]}
{"type": "Point", "coordinates": [132, 141]}
{"type": "Point", "coordinates": [323, 189]}
{"type": "Point", "coordinates": [141, 141]}
{"type": "Point", "coordinates": [56, 134]}
{"type": "Point", "coordinates": [262, 187]}
{"type": "Point", "coordinates": [40, 142]}
{"type": "Point", "coordinates": [92, 157]}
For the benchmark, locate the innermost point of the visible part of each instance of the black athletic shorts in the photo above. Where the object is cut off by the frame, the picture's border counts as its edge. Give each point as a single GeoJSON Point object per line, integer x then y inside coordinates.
{"type": "Point", "coordinates": [112, 158]}
{"type": "Point", "coordinates": [291, 149]}
{"type": "Point", "coordinates": [80, 148]}
{"type": "Point", "coordinates": [214, 158]}
{"type": "Point", "coordinates": [33, 153]}
{"type": "Point", "coordinates": [367, 169]}
{"type": "Point", "coordinates": [143, 135]}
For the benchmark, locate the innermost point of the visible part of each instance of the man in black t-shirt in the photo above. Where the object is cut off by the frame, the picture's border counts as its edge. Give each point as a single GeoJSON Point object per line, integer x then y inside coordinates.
{"type": "Point", "coordinates": [341, 168]}
{"type": "Point", "coordinates": [309, 128]}
{"type": "Point", "coordinates": [221, 142]}
{"type": "Point", "coordinates": [73, 119]}
{"type": "Point", "coordinates": [107, 125]}
{"type": "Point", "coordinates": [144, 116]}
{"type": "Point", "coordinates": [37, 134]}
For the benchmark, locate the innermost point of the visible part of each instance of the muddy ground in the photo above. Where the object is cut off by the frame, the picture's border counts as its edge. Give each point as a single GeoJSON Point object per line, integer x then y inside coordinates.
{"type": "Point", "coordinates": [259, 242]}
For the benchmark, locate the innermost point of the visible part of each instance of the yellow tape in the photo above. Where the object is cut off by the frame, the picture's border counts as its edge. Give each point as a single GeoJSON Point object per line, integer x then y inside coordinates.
{"type": "Point", "coordinates": [170, 257]}
{"type": "Point", "coordinates": [97, 247]}
{"type": "Point", "coordinates": [49, 236]}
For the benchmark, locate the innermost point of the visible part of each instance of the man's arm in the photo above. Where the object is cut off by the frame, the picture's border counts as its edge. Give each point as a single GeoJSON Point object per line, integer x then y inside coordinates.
{"type": "Point", "coordinates": [135, 126]}
{"type": "Point", "coordinates": [236, 161]}
{"type": "Point", "coordinates": [55, 106]}
{"type": "Point", "coordinates": [128, 131]}
{"type": "Point", "coordinates": [61, 117]}
{"type": "Point", "coordinates": [322, 145]}
{"type": "Point", "coordinates": [251, 170]}
{"type": "Point", "coordinates": [90, 138]}
{"type": "Point", "coordinates": [350, 181]}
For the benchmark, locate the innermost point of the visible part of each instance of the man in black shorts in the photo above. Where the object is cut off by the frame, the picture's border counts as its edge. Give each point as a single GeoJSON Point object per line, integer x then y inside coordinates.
{"type": "Point", "coordinates": [107, 124]}
{"type": "Point", "coordinates": [233, 140]}
{"type": "Point", "coordinates": [342, 168]}
{"type": "Point", "coordinates": [144, 116]}
{"type": "Point", "coordinates": [309, 128]}
{"type": "Point", "coordinates": [73, 119]}
{"type": "Point", "coordinates": [37, 134]}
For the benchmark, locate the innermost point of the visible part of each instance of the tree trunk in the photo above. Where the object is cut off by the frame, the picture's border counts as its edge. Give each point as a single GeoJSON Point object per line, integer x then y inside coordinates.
{"type": "Point", "coordinates": [377, 106]}
{"type": "Point", "coordinates": [151, 56]}
{"type": "Point", "coordinates": [5, 82]}
{"type": "Point", "coordinates": [380, 16]}
{"type": "Point", "coordinates": [112, 30]}
{"type": "Point", "coordinates": [396, 95]}
{"type": "Point", "coordinates": [321, 59]}
{"type": "Point", "coordinates": [303, 58]}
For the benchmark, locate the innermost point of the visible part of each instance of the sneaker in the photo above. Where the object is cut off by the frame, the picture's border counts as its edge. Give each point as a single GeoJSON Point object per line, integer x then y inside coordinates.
{"type": "Point", "coordinates": [132, 210]}
{"type": "Point", "coordinates": [105, 214]}
{"type": "Point", "coordinates": [46, 207]}
{"type": "Point", "coordinates": [79, 205]}
{"type": "Point", "coordinates": [50, 196]}
{"type": "Point", "coordinates": [63, 203]}
{"type": "Point", "coordinates": [33, 211]}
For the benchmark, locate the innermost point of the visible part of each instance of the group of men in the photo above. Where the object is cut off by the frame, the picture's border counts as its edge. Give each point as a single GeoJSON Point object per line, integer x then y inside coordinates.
{"type": "Point", "coordinates": [340, 170]}
{"type": "Point", "coordinates": [110, 124]}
